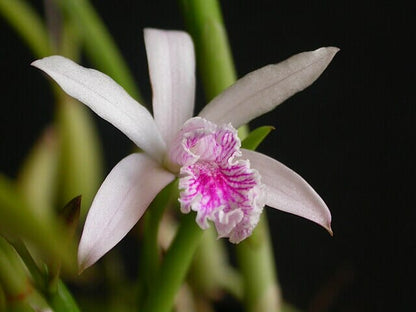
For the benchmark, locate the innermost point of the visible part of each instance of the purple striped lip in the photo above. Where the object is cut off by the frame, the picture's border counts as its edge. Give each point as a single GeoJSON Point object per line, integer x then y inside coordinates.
{"type": "Point", "coordinates": [214, 181]}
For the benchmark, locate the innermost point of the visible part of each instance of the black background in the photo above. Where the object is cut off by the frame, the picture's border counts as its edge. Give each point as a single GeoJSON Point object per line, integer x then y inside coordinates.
{"type": "Point", "coordinates": [350, 134]}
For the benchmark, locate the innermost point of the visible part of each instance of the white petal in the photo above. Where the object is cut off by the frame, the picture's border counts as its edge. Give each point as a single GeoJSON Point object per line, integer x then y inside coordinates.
{"type": "Point", "coordinates": [262, 90]}
{"type": "Point", "coordinates": [106, 98]}
{"type": "Point", "coordinates": [288, 191]}
{"type": "Point", "coordinates": [120, 202]}
{"type": "Point", "coordinates": [171, 61]}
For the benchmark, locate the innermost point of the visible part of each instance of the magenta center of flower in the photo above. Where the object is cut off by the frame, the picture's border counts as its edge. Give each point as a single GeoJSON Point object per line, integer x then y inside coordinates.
{"type": "Point", "coordinates": [214, 181]}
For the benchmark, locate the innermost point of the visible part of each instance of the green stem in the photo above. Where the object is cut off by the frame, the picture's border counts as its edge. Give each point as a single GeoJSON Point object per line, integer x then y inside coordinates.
{"type": "Point", "coordinates": [255, 259]}
{"type": "Point", "coordinates": [59, 297]}
{"type": "Point", "coordinates": [151, 251]}
{"type": "Point", "coordinates": [204, 22]}
{"type": "Point", "coordinates": [174, 267]}
{"type": "Point", "coordinates": [24, 19]}
{"type": "Point", "coordinates": [70, 43]}
{"type": "Point", "coordinates": [19, 293]}
{"type": "Point", "coordinates": [210, 272]}
{"type": "Point", "coordinates": [215, 63]}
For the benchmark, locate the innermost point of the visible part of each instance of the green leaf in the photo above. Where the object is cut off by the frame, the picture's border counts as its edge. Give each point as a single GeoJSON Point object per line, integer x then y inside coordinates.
{"type": "Point", "coordinates": [255, 137]}
{"type": "Point", "coordinates": [255, 260]}
{"type": "Point", "coordinates": [80, 163]}
{"type": "Point", "coordinates": [18, 290]}
{"type": "Point", "coordinates": [38, 175]}
{"type": "Point", "coordinates": [18, 219]}
{"type": "Point", "coordinates": [62, 300]}
{"type": "Point", "coordinates": [210, 272]}
{"type": "Point", "coordinates": [12, 273]}
{"type": "Point", "coordinates": [70, 217]}
{"type": "Point", "coordinates": [39, 276]}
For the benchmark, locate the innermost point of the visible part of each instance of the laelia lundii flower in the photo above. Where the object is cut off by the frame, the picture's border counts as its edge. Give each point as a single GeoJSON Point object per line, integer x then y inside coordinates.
{"type": "Point", "coordinates": [222, 182]}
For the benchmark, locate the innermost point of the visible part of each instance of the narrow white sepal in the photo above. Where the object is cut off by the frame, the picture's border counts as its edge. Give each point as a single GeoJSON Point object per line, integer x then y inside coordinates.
{"type": "Point", "coordinates": [119, 204]}
{"type": "Point", "coordinates": [288, 191]}
{"type": "Point", "coordinates": [171, 59]}
{"type": "Point", "coordinates": [108, 100]}
{"type": "Point", "coordinates": [262, 90]}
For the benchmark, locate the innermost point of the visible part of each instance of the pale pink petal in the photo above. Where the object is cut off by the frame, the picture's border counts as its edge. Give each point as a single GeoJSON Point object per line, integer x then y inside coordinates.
{"type": "Point", "coordinates": [106, 98]}
{"type": "Point", "coordinates": [120, 202]}
{"type": "Point", "coordinates": [262, 90]}
{"type": "Point", "coordinates": [287, 191]}
{"type": "Point", "coordinates": [171, 61]}
{"type": "Point", "coordinates": [198, 139]}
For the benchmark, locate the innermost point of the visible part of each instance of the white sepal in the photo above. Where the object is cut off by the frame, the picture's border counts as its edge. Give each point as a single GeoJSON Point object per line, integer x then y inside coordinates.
{"type": "Point", "coordinates": [262, 90]}
{"type": "Point", "coordinates": [108, 100]}
{"type": "Point", "coordinates": [288, 191]}
{"type": "Point", "coordinates": [119, 204]}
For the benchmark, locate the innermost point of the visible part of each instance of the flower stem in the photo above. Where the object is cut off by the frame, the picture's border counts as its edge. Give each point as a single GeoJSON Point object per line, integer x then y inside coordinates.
{"type": "Point", "coordinates": [174, 267]}
{"type": "Point", "coordinates": [255, 259]}
{"type": "Point", "coordinates": [151, 250]}
{"type": "Point", "coordinates": [211, 272]}
{"type": "Point", "coordinates": [205, 23]}
{"type": "Point", "coordinates": [215, 63]}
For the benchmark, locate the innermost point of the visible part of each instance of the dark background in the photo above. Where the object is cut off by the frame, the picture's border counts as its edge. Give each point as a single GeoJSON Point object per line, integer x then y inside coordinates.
{"type": "Point", "coordinates": [350, 135]}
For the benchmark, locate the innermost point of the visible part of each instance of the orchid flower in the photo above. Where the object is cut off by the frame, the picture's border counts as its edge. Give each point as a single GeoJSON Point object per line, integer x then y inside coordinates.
{"type": "Point", "coordinates": [223, 183]}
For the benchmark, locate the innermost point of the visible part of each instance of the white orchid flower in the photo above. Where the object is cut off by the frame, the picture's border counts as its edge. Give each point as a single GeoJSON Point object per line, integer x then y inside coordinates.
{"type": "Point", "coordinates": [224, 184]}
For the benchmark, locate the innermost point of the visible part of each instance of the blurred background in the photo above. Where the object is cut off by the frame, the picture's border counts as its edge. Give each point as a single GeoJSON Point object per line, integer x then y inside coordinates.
{"type": "Point", "coordinates": [350, 135]}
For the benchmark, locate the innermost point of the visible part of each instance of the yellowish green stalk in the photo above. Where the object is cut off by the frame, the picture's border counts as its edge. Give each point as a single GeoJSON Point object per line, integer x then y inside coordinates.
{"type": "Point", "coordinates": [256, 262]}
{"type": "Point", "coordinates": [204, 22]}
{"type": "Point", "coordinates": [27, 23]}
{"type": "Point", "coordinates": [150, 260]}
{"type": "Point", "coordinates": [174, 267]}
{"type": "Point", "coordinates": [210, 272]}
{"type": "Point", "coordinates": [215, 65]}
